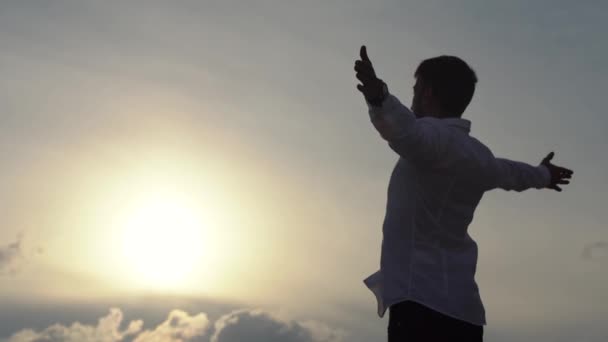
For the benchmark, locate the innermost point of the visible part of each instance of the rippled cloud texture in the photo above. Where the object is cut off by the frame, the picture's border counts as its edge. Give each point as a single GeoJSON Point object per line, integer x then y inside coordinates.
{"type": "Point", "coordinates": [240, 325]}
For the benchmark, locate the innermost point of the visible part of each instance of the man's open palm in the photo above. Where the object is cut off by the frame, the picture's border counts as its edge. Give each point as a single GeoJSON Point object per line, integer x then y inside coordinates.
{"type": "Point", "coordinates": [559, 175]}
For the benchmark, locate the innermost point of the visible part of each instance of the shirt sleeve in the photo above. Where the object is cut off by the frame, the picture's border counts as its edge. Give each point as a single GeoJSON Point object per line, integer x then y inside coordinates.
{"type": "Point", "coordinates": [518, 176]}
{"type": "Point", "coordinates": [421, 141]}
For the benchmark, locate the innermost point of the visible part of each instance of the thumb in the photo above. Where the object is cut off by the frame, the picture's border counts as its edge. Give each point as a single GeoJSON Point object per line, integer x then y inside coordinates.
{"type": "Point", "coordinates": [363, 53]}
{"type": "Point", "coordinates": [548, 158]}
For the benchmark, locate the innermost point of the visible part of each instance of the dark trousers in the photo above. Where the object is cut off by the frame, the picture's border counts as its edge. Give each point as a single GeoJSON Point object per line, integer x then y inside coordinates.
{"type": "Point", "coordinates": [413, 322]}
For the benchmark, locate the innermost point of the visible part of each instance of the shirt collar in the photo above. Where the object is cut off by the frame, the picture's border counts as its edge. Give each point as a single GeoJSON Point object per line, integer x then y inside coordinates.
{"type": "Point", "coordinates": [461, 123]}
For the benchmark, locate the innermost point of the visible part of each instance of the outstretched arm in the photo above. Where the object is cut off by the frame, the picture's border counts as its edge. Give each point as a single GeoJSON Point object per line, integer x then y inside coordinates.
{"type": "Point", "coordinates": [420, 141]}
{"type": "Point", "coordinates": [519, 176]}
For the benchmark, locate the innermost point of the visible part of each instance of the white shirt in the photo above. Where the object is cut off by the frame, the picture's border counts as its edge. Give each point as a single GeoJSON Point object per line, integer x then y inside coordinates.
{"type": "Point", "coordinates": [427, 254]}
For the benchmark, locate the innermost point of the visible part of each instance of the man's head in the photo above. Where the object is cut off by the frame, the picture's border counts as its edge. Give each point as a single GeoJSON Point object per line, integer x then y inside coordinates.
{"type": "Point", "coordinates": [444, 87]}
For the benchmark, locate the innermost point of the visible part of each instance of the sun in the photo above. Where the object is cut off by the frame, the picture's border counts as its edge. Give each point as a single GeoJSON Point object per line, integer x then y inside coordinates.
{"type": "Point", "coordinates": [163, 240]}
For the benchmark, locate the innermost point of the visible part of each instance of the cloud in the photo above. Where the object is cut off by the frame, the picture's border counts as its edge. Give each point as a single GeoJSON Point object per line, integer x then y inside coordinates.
{"type": "Point", "coordinates": [259, 326]}
{"type": "Point", "coordinates": [596, 251]}
{"type": "Point", "coordinates": [178, 327]}
{"type": "Point", "coordinates": [106, 330]}
{"type": "Point", "coordinates": [240, 325]}
{"type": "Point", "coordinates": [13, 255]}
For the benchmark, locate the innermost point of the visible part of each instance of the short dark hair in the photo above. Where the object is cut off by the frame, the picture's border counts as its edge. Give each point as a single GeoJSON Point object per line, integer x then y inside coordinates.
{"type": "Point", "coordinates": [452, 81]}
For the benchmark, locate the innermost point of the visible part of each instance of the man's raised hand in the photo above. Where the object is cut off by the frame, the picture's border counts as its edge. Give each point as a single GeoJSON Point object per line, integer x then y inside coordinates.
{"type": "Point", "coordinates": [559, 175]}
{"type": "Point", "coordinates": [372, 87]}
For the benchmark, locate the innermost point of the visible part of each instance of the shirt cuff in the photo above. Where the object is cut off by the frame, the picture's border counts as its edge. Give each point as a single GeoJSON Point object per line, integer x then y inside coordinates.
{"type": "Point", "coordinates": [377, 111]}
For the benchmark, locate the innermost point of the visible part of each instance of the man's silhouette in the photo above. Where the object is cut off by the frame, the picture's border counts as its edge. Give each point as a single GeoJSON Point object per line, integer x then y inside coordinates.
{"type": "Point", "coordinates": [428, 261]}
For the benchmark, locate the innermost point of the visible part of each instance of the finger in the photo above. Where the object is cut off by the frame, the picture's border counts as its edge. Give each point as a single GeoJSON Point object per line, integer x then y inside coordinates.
{"type": "Point", "coordinates": [548, 157]}
{"type": "Point", "coordinates": [557, 188]}
{"type": "Point", "coordinates": [364, 77]}
{"type": "Point", "coordinates": [360, 87]}
{"type": "Point", "coordinates": [563, 181]}
{"type": "Point", "coordinates": [360, 66]}
{"type": "Point", "coordinates": [365, 70]}
{"type": "Point", "coordinates": [564, 170]}
{"type": "Point", "coordinates": [363, 54]}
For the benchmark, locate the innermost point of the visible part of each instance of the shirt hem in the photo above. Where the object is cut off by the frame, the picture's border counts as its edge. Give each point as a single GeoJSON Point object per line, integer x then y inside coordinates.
{"type": "Point", "coordinates": [432, 307]}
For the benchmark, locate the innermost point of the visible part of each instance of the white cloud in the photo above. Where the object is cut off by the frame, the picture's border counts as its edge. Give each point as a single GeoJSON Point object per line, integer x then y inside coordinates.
{"type": "Point", "coordinates": [106, 330]}
{"type": "Point", "coordinates": [178, 327]}
{"type": "Point", "coordinates": [241, 325]}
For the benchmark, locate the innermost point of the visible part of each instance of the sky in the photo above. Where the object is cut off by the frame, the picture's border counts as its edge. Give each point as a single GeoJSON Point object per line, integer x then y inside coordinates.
{"type": "Point", "coordinates": [207, 171]}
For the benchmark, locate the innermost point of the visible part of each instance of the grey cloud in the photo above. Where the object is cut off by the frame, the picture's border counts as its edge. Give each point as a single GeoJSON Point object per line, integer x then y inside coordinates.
{"type": "Point", "coordinates": [259, 326]}
{"type": "Point", "coordinates": [13, 255]}
{"type": "Point", "coordinates": [240, 325]}
{"type": "Point", "coordinates": [596, 250]}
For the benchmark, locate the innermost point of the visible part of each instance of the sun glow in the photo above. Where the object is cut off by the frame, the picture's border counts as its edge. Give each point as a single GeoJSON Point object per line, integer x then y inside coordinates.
{"type": "Point", "coordinates": [163, 240]}
{"type": "Point", "coordinates": [166, 226]}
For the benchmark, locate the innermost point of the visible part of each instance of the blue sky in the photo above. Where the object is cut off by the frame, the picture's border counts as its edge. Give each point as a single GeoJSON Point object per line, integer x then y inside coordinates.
{"type": "Point", "coordinates": [253, 107]}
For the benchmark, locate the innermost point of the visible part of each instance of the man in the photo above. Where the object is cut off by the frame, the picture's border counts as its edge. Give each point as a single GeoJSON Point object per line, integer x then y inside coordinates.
{"type": "Point", "coordinates": [428, 260]}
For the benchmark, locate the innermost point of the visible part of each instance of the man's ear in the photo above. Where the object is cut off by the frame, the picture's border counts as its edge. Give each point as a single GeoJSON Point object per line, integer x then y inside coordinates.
{"type": "Point", "coordinates": [426, 96]}
{"type": "Point", "coordinates": [428, 92]}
